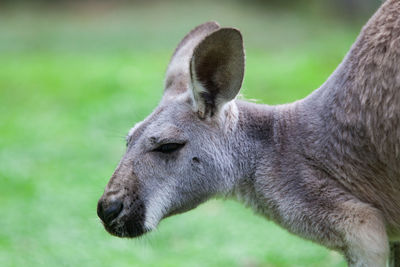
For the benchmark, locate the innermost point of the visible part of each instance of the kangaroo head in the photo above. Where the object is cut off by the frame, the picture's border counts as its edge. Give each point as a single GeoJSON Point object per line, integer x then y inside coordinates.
{"type": "Point", "coordinates": [181, 154]}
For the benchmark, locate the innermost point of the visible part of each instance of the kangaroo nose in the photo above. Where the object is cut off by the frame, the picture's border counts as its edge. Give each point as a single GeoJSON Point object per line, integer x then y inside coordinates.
{"type": "Point", "coordinates": [109, 212]}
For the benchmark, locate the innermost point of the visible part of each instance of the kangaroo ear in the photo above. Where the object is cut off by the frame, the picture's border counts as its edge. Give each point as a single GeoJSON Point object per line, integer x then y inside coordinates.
{"type": "Point", "coordinates": [216, 70]}
{"type": "Point", "coordinates": [177, 76]}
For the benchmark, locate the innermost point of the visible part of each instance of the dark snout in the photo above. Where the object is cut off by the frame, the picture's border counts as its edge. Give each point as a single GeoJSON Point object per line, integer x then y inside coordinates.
{"type": "Point", "coordinates": [122, 217]}
{"type": "Point", "coordinates": [109, 211]}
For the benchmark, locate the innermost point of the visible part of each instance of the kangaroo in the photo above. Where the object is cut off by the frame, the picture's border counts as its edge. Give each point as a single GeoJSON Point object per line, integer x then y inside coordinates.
{"type": "Point", "coordinates": [326, 168]}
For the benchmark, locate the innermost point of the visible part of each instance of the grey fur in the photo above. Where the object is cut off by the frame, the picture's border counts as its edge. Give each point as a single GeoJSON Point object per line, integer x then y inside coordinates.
{"type": "Point", "coordinates": [326, 168]}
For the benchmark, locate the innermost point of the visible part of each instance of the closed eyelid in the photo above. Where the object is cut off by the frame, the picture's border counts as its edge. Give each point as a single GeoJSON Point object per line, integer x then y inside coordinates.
{"type": "Point", "coordinates": [166, 140]}
{"type": "Point", "coordinates": [168, 148]}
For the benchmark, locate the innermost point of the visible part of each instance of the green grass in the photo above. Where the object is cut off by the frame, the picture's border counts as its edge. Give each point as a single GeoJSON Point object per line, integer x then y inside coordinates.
{"type": "Point", "coordinates": [73, 83]}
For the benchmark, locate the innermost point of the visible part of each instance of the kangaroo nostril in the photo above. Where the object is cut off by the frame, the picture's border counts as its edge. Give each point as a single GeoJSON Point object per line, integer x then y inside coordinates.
{"type": "Point", "coordinates": [100, 210]}
{"type": "Point", "coordinates": [109, 212]}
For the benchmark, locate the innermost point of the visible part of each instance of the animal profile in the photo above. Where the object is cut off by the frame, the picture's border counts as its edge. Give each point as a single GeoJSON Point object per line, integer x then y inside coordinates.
{"type": "Point", "coordinates": [326, 167]}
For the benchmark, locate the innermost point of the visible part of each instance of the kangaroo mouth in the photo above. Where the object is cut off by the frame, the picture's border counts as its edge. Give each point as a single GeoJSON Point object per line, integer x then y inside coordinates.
{"type": "Point", "coordinates": [128, 229]}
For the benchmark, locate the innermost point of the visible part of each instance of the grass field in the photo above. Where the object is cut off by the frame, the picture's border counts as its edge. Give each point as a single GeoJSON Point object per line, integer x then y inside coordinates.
{"type": "Point", "coordinates": [71, 85]}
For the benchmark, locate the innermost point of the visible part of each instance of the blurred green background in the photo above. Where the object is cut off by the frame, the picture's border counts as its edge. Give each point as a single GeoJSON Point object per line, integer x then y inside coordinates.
{"type": "Point", "coordinates": [75, 76]}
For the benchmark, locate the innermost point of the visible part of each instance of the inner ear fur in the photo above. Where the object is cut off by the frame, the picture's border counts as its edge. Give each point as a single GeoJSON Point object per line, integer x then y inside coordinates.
{"type": "Point", "coordinates": [217, 70]}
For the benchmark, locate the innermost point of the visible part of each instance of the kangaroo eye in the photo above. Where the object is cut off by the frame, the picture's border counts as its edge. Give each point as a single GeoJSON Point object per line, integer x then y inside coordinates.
{"type": "Point", "coordinates": [169, 148]}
